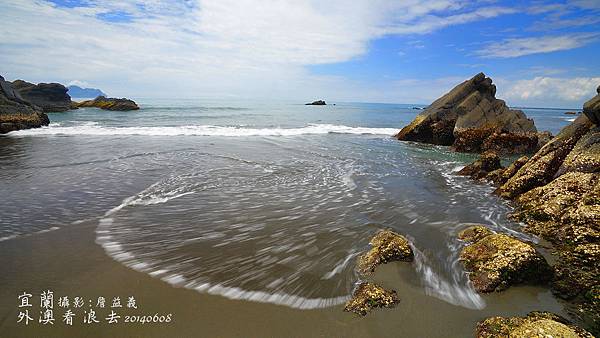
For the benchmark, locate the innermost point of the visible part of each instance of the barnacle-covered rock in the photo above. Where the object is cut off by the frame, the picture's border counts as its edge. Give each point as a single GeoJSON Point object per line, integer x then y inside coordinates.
{"type": "Point", "coordinates": [535, 324]}
{"type": "Point", "coordinates": [500, 176]}
{"type": "Point", "coordinates": [474, 233]}
{"type": "Point", "coordinates": [387, 246]}
{"type": "Point", "coordinates": [487, 162]}
{"type": "Point", "coordinates": [369, 296]}
{"type": "Point", "coordinates": [497, 261]}
{"type": "Point", "coordinates": [541, 169]}
{"type": "Point", "coordinates": [568, 208]}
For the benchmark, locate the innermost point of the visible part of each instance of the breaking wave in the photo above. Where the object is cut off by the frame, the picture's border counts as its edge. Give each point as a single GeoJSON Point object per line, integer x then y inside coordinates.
{"type": "Point", "coordinates": [93, 129]}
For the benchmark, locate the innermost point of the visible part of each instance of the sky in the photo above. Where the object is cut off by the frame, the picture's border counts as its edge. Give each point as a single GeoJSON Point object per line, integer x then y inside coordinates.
{"type": "Point", "coordinates": [539, 53]}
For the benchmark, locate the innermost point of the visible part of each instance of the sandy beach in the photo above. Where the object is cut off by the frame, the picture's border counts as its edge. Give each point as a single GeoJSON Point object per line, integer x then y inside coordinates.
{"type": "Point", "coordinates": [68, 262]}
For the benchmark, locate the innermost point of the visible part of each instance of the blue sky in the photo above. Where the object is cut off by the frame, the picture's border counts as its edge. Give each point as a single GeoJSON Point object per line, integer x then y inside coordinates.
{"type": "Point", "coordinates": [539, 53]}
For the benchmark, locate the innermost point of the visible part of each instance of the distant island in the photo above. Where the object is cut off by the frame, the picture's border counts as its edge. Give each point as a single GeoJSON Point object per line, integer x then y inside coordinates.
{"type": "Point", "coordinates": [316, 103]}
{"type": "Point", "coordinates": [76, 91]}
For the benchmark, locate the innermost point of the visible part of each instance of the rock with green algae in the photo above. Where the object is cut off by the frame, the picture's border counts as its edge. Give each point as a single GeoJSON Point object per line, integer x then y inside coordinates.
{"type": "Point", "coordinates": [474, 233]}
{"type": "Point", "coordinates": [487, 162]}
{"type": "Point", "coordinates": [109, 103]}
{"type": "Point", "coordinates": [369, 296]}
{"type": "Point", "coordinates": [566, 210]}
{"type": "Point", "coordinates": [497, 261]}
{"type": "Point", "coordinates": [535, 324]}
{"type": "Point", "coordinates": [386, 246]}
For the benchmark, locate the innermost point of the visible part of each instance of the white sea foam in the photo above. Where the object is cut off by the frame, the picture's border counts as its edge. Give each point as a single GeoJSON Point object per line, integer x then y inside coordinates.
{"type": "Point", "coordinates": [92, 129]}
{"type": "Point", "coordinates": [451, 291]}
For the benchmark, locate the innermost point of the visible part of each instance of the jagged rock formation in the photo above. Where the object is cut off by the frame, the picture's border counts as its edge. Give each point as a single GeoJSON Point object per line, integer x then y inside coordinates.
{"type": "Point", "coordinates": [369, 296]}
{"type": "Point", "coordinates": [496, 261]}
{"type": "Point", "coordinates": [535, 324]}
{"type": "Point", "coordinates": [109, 104]}
{"type": "Point", "coordinates": [317, 103]}
{"type": "Point", "coordinates": [16, 113]}
{"type": "Point", "coordinates": [470, 119]}
{"type": "Point", "coordinates": [557, 192]}
{"type": "Point", "coordinates": [51, 97]}
{"type": "Point", "coordinates": [387, 246]}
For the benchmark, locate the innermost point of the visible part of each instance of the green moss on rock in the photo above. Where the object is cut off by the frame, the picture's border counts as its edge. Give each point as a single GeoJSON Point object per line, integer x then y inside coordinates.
{"type": "Point", "coordinates": [369, 296]}
{"type": "Point", "coordinates": [535, 324]}
{"type": "Point", "coordinates": [387, 246]}
{"type": "Point", "coordinates": [474, 233]}
{"type": "Point", "coordinates": [497, 261]}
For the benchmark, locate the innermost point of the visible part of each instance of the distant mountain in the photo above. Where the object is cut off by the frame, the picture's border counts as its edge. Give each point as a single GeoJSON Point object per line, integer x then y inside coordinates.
{"type": "Point", "coordinates": [76, 91]}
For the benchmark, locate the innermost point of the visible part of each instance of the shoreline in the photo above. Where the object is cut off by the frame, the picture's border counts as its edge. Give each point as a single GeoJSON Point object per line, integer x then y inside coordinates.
{"type": "Point", "coordinates": [69, 262]}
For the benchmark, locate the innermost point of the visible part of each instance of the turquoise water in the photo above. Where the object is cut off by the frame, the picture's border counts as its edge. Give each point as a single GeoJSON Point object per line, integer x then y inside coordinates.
{"type": "Point", "coordinates": [267, 202]}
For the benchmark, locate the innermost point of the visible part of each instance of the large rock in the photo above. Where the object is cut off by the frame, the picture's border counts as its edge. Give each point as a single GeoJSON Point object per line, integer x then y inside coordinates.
{"type": "Point", "coordinates": [386, 246]}
{"type": "Point", "coordinates": [16, 113]}
{"type": "Point", "coordinates": [369, 296]}
{"type": "Point", "coordinates": [109, 104]}
{"type": "Point", "coordinates": [51, 97]}
{"type": "Point", "coordinates": [535, 324]}
{"type": "Point", "coordinates": [471, 119]}
{"type": "Point", "coordinates": [496, 261]}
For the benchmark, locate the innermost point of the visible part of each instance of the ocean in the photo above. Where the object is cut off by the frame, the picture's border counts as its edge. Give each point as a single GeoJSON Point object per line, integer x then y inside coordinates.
{"type": "Point", "coordinates": [262, 201]}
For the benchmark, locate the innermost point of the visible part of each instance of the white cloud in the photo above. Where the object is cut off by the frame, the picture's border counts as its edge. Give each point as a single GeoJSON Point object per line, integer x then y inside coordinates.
{"type": "Point", "coordinates": [516, 47]}
{"type": "Point", "coordinates": [545, 91]}
{"type": "Point", "coordinates": [209, 47]}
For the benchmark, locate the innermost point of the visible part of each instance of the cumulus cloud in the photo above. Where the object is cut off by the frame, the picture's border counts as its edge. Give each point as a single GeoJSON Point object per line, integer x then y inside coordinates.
{"type": "Point", "coordinates": [515, 47]}
{"type": "Point", "coordinates": [541, 90]}
{"type": "Point", "coordinates": [208, 47]}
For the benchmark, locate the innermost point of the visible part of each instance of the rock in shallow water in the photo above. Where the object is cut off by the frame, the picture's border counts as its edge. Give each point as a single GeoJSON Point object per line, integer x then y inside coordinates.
{"type": "Point", "coordinates": [387, 246]}
{"type": "Point", "coordinates": [369, 296]}
{"type": "Point", "coordinates": [488, 162]}
{"type": "Point", "coordinates": [535, 324]}
{"type": "Point", "coordinates": [471, 119]}
{"type": "Point", "coordinates": [109, 104]}
{"type": "Point", "coordinates": [497, 261]}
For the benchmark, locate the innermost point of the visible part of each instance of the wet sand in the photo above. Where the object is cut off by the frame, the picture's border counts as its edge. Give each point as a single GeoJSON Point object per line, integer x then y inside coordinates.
{"type": "Point", "coordinates": [69, 262]}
